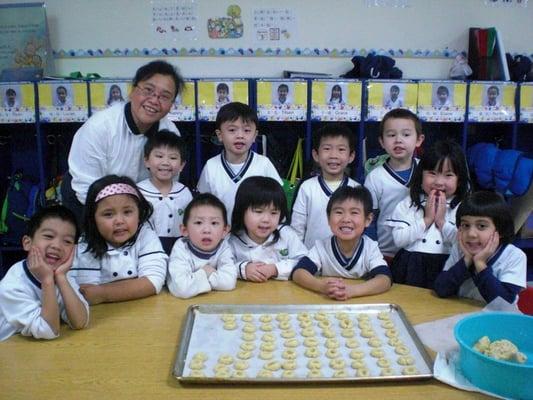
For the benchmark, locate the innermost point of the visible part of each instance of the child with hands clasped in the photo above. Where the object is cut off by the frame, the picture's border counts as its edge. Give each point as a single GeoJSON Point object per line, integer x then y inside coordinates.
{"type": "Point", "coordinates": [202, 260]}
{"type": "Point", "coordinates": [119, 257]}
{"type": "Point", "coordinates": [264, 248]}
{"type": "Point", "coordinates": [346, 254]}
{"type": "Point", "coordinates": [423, 224]}
{"type": "Point", "coordinates": [36, 292]}
{"type": "Point", "coordinates": [483, 263]}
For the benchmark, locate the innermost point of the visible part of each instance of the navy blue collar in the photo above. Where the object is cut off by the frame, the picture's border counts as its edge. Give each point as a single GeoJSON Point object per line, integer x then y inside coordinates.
{"type": "Point", "coordinates": [236, 177]}
{"type": "Point", "coordinates": [347, 263]}
{"type": "Point", "coordinates": [496, 255]}
{"type": "Point", "coordinates": [325, 188]}
{"type": "Point", "coordinates": [204, 255]}
{"type": "Point", "coordinates": [30, 275]}
{"type": "Point", "coordinates": [398, 177]}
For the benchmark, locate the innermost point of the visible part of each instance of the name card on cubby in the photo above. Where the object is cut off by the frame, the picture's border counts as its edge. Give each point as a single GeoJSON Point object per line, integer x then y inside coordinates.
{"type": "Point", "coordinates": [492, 101]}
{"type": "Point", "coordinates": [105, 93]}
{"type": "Point", "coordinates": [526, 102]}
{"type": "Point", "coordinates": [63, 101]}
{"type": "Point", "coordinates": [18, 103]}
{"type": "Point", "coordinates": [333, 100]}
{"type": "Point", "coordinates": [213, 94]}
{"type": "Point", "coordinates": [384, 95]}
{"type": "Point", "coordinates": [282, 100]}
{"type": "Point", "coordinates": [441, 101]}
{"type": "Point", "coordinates": [183, 108]}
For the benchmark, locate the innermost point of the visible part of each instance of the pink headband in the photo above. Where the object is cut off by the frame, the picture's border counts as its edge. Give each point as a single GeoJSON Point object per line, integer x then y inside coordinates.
{"type": "Point", "coordinates": [116, 188]}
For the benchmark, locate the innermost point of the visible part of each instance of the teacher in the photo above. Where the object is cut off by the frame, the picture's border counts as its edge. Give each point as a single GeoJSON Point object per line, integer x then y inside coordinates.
{"type": "Point", "coordinates": [112, 140]}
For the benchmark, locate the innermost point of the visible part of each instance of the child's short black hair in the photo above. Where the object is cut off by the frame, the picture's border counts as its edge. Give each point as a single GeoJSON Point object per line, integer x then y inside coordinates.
{"type": "Point", "coordinates": [95, 242]}
{"type": "Point", "coordinates": [358, 193]}
{"type": "Point", "coordinates": [223, 86]}
{"type": "Point", "coordinates": [490, 205]}
{"type": "Point", "coordinates": [334, 130]}
{"type": "Point", "coordinates": [401, 113]}
{"type": "Point", "coordinates": [205, 199]}
{"type": "Point", "coordinates": [161, 67]}
{"type": "Point", "coordinates": [235, 110]}
{"type": "Point", "coordinates": [10, 92]}
{"type": "Point", "coordinates": [166, 138]}
{"type": "Point", "coordinates": [55, 211]}
{"type": "Point", "coordinates": [396, 88]}
{"type": "Point", "coordinates": [496, 88]}
{"type": "Point", "coordinates": [443, 89]}
{"type": "Point", "coordinates": [257, 191]}
{"type": "Point", "coordinates": [283, 86]}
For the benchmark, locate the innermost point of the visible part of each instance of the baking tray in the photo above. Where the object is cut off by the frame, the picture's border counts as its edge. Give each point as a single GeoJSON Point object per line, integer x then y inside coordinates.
{"type": "Point", "coordinates": [203, 332]}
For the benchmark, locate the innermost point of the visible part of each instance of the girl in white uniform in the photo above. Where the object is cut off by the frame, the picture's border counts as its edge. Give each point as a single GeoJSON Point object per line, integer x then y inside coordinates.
{"type": "Point", "coordinates": [202, 260]}
{"type": "Point", "coordinates": [120, 256]}
{"type": "Point", "coordinates": [483, 264]}
{"type": "Point", "coordinates": [263, 247]}
{"type": "Point", "coordinates": [423, 224]}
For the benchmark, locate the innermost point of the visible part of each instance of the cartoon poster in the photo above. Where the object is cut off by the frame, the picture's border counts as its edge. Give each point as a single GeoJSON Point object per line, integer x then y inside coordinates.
{"type": "Point", "coordinates": [63, 101]}
{"type": "Point", "coordinates": [184, 106]}
{"type": "Point", "coordinates": [384, 95]}
{"type": "Point", "coordinates": [333, 100]}
{"type": "Point", "coordinates": [492, 101]}
{"type": "Point", "coordinates": [273, 26]}
{"type": "Point", "coordinates": [213, 94]}
{"type": "Point", "coordinates": [105, 93]}
{"type": "Point", "coordinates": [17, 103]}
{"type": "Point", "coordinates": [282, 100]}
{"type": "Point", "coordinates": [526, 102]}
{"type": "Point", "coordinates": [229, 26]}
{"type": "Point", "coordinates": [174, 20]}
{"type": "Point", "coordinates": [442, 101]}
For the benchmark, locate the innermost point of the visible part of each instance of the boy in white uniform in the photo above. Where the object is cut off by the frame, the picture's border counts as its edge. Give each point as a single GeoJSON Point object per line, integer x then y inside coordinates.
{"type": "Point", "coordinates": [346, 254]}
{"type": "Point", "coordinates": [164, 157]}
{"type": "Point", "coordinates": [36, 292]}
{"type": "Point", "coordinates": [400, 134]}
{"type": "Point", "coordinates": [202, 260]}
{"type": "Point", "coordinates": [333, 150]}
{"type": "Point", "coordinates": [236, 127]}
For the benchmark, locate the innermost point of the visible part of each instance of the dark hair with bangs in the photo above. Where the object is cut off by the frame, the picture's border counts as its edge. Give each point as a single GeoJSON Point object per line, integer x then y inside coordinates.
{"type": "Point", "coordinates": [358, 193]}
{"type": "Point", "coordinates": [235, 110]}
{"type": "Point", "coordinates": [489, 205]}
{"type": "Point", "coordinates": [166, 138]}
{"type": "Point", "coordinates": [205, 199]}
{"type": "Point", "coordinates": [96, 244]}
{"type": "Point", "coordinates": [434, 159]}
{"type": "Point", "coordinates": [57, 211]}
{"type": "Point", "coordinates": [161, 67]}
{"type": "Point", "coordinates": [401, 113]}
{"type": "Point", "coordinates": [334, 130]}
{"type": "Point", "coordinates": [258, 191]}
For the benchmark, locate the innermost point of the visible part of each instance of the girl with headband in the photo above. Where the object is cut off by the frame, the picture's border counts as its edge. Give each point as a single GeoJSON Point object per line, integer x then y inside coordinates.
{"type": "Point", "coordinates": [119, 257]}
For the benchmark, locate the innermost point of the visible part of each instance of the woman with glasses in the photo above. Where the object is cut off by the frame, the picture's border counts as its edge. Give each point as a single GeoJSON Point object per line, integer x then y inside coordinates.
{"type": "Point", "coordinates": [112, 140]}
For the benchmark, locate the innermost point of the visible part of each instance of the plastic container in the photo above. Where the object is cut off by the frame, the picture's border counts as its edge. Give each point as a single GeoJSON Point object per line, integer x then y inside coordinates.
{"type": "Point", "coordinates": [504, 378]}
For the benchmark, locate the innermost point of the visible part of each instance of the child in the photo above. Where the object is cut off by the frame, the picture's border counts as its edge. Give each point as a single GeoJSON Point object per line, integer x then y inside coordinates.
{"type": "Point", "coordinates": [36, 292]}
{"type": "Point", "coordinates": [115, 95]}
{"type": "Point", "coordinates": [333, 150]}
{"type": "Point", "coordinates": [202, 260]}
{"type": "Point", "coordinates": [348, 253]}
{"type": "Point", "coordinates": [442, 100]}
{"type": "Point", "coordinates": [120, 257]}
{"type": "Point", "coordinates": [483, 263]}
{"type": "Point", "coordinates": [336, 95]}
{"type": "Point", "coordinates": [164, 157]}
{"type": "Point", "coordinates": [394, 100]}
{"type": "Point", "coordinates": [236, 128]}
{"type": "Point", "coordinates": [400, 134]}
{"type": "Point", "coordinates": [222, 94]}
{"type": "Point", "coordinates": [492, 96]}
{"type": "Point", "coordinates": [423, 224]}
{"type": "Point", "coordinates": [62, 98]}
{"type": "Point", "coordinates": [263, 247]}
{"type": "Point", "coordinates": [10, 99]}
{"type": "Point", "coordinates": [283, 95]}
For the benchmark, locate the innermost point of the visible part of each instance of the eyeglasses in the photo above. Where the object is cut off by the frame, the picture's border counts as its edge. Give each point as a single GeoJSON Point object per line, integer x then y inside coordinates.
{"type": "Point", "coordinates": [147, 91]}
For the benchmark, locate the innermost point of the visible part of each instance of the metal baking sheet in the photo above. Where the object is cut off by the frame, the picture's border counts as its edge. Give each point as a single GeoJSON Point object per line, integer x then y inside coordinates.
{"type": "Point", "coordinates": [203, 332]}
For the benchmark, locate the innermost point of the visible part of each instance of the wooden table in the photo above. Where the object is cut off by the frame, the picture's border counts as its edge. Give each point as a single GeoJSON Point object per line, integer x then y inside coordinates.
{"type": "Point", "coordinates": [129, 349]}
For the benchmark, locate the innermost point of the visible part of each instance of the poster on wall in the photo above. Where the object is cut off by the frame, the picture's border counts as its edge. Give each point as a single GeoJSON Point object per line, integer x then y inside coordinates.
{"type": "Point", "coordinates": [63, 101]}
{"type": "Point", "coordinates": [526, 102]}
{"type": "Point", "coordinates": [106, 93]}
{"type": "Point", "coordinates": [229, 26]}
{"type": "Point", "coordinates": [282, 100]}
{"type": "Point", "coordinates": [213, 94]}
{"type": "Point", "coordinates": [333, 100]}
{"type": "Point", "coordinates": [492, 101]}
{"type": "Point", "coordinates": [441, 101]}
{"type": "Point", "coordinates": [17, 103]}
{"type": "Point", "coordinates": [384, 95]}
{"type": "Point", "coordinates": [174, 20]}
{"type": "Point", "coordinates": [183, 108]}
{"type": "Point", "coordinates": [273, 26]}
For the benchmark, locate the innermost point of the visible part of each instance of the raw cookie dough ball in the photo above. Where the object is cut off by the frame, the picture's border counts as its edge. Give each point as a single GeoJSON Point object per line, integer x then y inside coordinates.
{"type": "Point", "coordinates": [247, 318]}
{"type": "Point", "coordinates": [267, 346]}
{"type": "Point", "coordinates": [283, 317]}
{"type": "Point", "coordinates": [249, 328]}
{"type": "Point", "coordinates": [288, 334]}
{"type": "Point", "coordinates": [225, 359]}
{"type": "Point", "coordinates": [337, 363]}
{"type": "Point", "coordinates": [328, 333]}
{"type": "Point", "coordinates": [241, 365]}
{"type": "Point", "coordinates": [387, 372]}
{"type": "Point", "coordinates": [230, 325]}
{"type": "Point", "coordinates": [384, 315]}
{"type": "Point", "coordinates": [368, 333]}
{"type": "Point", "coordinates": [377, 353]}
{"type": "Point", "coordinates": [312, 352]}
{"type": "Point", "coordinates": [247, 346]}
{"type": "Point", "coordinates": [341, 373]}
{"type": "Point", "coordinates": [265, 318]}
{"type": "Point", "coordinates": [239, 374]}
{"type": "Point", "coordinates": [324, 324]}
{"type": "Point", "coordinates": [248, 337]}
{"type": "Point", "coordinates": [310, 342]}
{"type": "Point", "coordinates": [200, 356]}
{"type": "Point", "coordinates": [333, 353]}
{"type": "Point", "coordinates": [268, 337]}
{"type": "Point", "coordinates": [362, 372]}
{"type": "Point", "coordinates": [387, 324]}
{"type": "Point", "coordinates": [401, 350]}
{"type": "Point", "coordinates": [289, 365]}
{"type": "Point", "coordinates": [409, 370]}
{"type": "Point", "coordinates": [266, 327]}
{"type": "Point", "coordinates": [352, 343]}
{"type": "Point", "coordinates": [265, 373]}
{"type": "Point", "coordinates": [332, 343]}
{"type": "Point", "coordinates": [272, 366]}
{"type": "Point", "coordinates": [392, 332]}
{"type": "Point", "coordinates": [321, 316]}
{"type": "Point", "coordinates": [406, 360]}
{"type": "Point", "coordinates": [345, 324]}
{"type": "Point", "coordinates": [347, 333]}
{"type": "Point", "coordinates": [244, 354]}
{"type": "Point", "coordinates": [289, 354]}
{"type": "Point", "coordinates": [305, 323]}
{"type": "Point", "coordinates": [291, 343]}
{"type": "Point", "coordinates": [303, 316]}
{"type": "Point", "coordinates": [308, 332]}
{"type": "Point", "coordinates": [314, 373]}
{"type": "Point", "coordinates": [288, 374]}
{"type": "Point", "coordinates": [284, 325]}
{"type": "Point", "coordinates": [196, 364]}
{"type": "Point", "coordinates": [228, 318]}
{"type": "Point", "coordinates": [314, 364]}
{"type": "Point", "coordinates": [357, 354]}
{"type": "Point", "coordinates": [266, 355]}
{"type": "Point", "coordinates": [374, 342]}
{"type": "Point", "coordinates": [358, 364]}
{"type": "Point", "coordinates": [383, 363]}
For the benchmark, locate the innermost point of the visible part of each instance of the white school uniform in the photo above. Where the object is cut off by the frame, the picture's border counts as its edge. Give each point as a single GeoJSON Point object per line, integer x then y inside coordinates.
{"type": "Point", "coordinates": [168, 210]}
{"type": "Point", "coordinates": [388, 189]}
{"type": "Point", "coordinates": [144, 258]}
{"type": "Point", "coordinates": [394, 103]}
{"type": "Point", "coordinates": [284, 253]}
{"type": "Point", "coordinates": [21, 305]}
{"type": "Point", "coordinates": [309, 218]}
{"type": "Point", "coordinates": [186, 278]}
{"type": "Point", "coordinates": [331, 262]}
{"type": "Point", "coordinates": [218, 177]}
{"type": "Point", "coordinates": [509, 267]}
